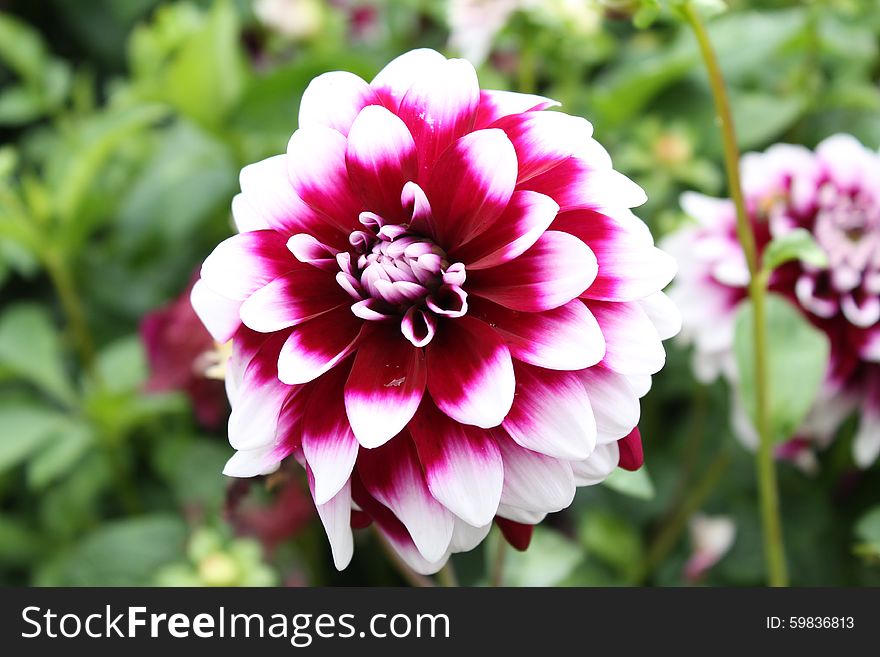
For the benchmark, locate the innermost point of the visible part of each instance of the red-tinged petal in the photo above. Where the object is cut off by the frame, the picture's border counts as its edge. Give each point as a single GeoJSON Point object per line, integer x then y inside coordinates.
{"type": "Point", "coordinates": [497, 104]}
{"type": "Point", "coordinates": [630, 266]}
{"type": "Point", "coordinates": [555, 270]}
{"type": "Point", "coordinates": [551, 413]}
{"type": "Point", "coordinates": [334, 99]}
{"type": "Point", "coordinates": [462, 465]}
{"type": "Point", "coordinates": [268, 200]}
{"type": "Point", "coordinates": [292, 299]}
{"type": "Point", "coordinates": [219, 314]}
{"type": "Point", "coordinates": [523, 221]}
{"type": "Point", "coordinates": [335, 515]}
{"type": "Point", "coordinates": [471, 186]}
{"type": "Point", "coordinates": [470, 373]}
{"type": "Point", "coordinates": [565, 338]}
{"type": "Point", "coordinates": [418, 326]}
{"type": "Point", "coordinates": [381, 159]}
{"type": "Point", "coordinates": [632, 344]}
{"type": "Point", "coordinates": [385, 386]}
{"type": "Point", "coordinates": [392, 474]}
{"type": "Point", "coordinates": [257, 404]}
{"type": "Point", "coordinates": [329, 446]}
{"type": "Point", "coordinates": [578, 183]}
{"type": "Point", "coordinates": [318, 345]}
{"type": "Point", "coordinates": [394, 531]}
{"type": "Point", "coordinates": [544, 139]}
{"type": "Point", "coordinates": [311, 251]}
{"type": "Point", "coordinates": [288, 435]}
{"type": "Point", "coordinates": [243, 263]}
{"type": "Point", "coordinates": [316, 165]}
{"type": "Point", "coordinates": [395, 80]}
{"type": "Point", "coordinates": [631, 455]}
{"type": "Point", "coordinates": [596, 469]}
{"type": "Point", "coordinates": [517, 534]}
{"type": "Point", "coordinates": [439, 108]}
{"type": "Point", "coordinates": [615, 402]}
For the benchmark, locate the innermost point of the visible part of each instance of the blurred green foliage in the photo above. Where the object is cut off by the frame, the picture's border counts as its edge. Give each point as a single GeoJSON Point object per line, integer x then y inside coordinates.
{"type": "Point", "coordinates": [124, 126]}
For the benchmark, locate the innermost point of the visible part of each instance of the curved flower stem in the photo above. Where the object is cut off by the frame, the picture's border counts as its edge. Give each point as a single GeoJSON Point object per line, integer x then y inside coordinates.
{"type": "Point", "coordinates": [774, 549]}
{"type": "Point", "coordinates": [411, 576]}
{"type": "Point", "coordinates": [496, 576]}
{"type": "Point", "coordinates": [447, 576]}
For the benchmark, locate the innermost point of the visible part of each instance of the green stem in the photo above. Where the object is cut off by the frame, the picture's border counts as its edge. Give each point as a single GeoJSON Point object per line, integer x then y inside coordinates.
{"type": "Point", "coordinates": [774, 549]}
{"type": "Point", "coordinates": [671, 532]}
{"type": "Point", "coordinates": [496, 576]}
{"type": "Point", "coordinates": [62, 281]}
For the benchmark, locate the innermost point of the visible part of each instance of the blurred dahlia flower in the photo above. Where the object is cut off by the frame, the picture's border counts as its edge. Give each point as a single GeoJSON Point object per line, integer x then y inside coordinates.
{"type": "Point", "coordinates": [441, 305]}
{"type": "Point", "coordinates": [834, 193]}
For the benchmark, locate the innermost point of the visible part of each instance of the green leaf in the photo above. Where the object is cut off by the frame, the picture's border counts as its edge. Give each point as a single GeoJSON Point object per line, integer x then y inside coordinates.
{"type": "Point", "coordinates": [797, 355]}
{"type": "Point", "coordinates": [22, 48]}
{"type": "Point", "coordinates": [25, 428]}
{"type": "Point", "coordinates": [61, 455]}
{"type": "Point", "coordinates": [18, 543]}
{"type": "Point", "coordinates": [123, 365]}
{"type": "Point", "coordinates": [125, 552]}
{"type": "Point", "coordinates": [551, 558]}
{"type": "Point", "coordinates": [867, 530]}
{"type": "Point", "coordinates": [31, 349]}
{"type": "Point", "coordinates": [614, 541]}
{"type": "Point", "coordinates": [634, 484]}
{"type": "Point", "coordinates": [761, 117]}
{"type": "Point", "coordinates": [795, 245]}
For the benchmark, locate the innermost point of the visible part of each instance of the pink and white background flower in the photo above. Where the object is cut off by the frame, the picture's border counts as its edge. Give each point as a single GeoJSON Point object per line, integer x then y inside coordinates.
{"type": "Point", "coordinates": [834, 193]}
{"type": "Point", "coordinates": [441, 305]}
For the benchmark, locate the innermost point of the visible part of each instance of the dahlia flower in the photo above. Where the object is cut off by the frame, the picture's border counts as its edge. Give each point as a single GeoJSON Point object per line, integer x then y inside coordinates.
{"type": "Point", "coordinates": [834, 193]}
{"type": "Point", "coordinates": [441, 305]}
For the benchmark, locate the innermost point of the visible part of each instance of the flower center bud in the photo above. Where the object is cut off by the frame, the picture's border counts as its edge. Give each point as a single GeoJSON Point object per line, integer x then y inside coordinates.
{"type": "Point", "coordinates": [397, 274]}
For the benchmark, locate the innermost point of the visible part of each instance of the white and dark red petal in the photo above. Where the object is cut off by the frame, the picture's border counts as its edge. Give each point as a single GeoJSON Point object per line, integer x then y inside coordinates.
{"type": "Point", "coordinates": [598, 466]}
{"type": "Point", "coordinates": [534, 481]}
{"type": "Point", "coordinates": [385, 386]}
{"type": "Point", "coordinates": [244, 263]}
{"type": "Point", "coordinates": [335, 515]}
{"type": "Point", "coordinates": [555, 270]}
{"type": "Point", "coordinates": [632, 344]}
{"type": "Point", "coordinates": [318, 173]}
{"type": "Point", "coordinates": [866, 445]}
{"type": "Point", "coordinates": [564, 338]}
{"type": "Point", "coordinates": [252, 462]}
{"type": "Point", "coordinates": [394, 531]}
{"type": "Point", "coordinates": [615, 403]}
{"type": "Point", "coordinates": [470, 372]}
{"type": "Point", "coordinates": [438, 108]}
{"type": "Point", "coordinates": [551, 413]}
{"type": "Point", "coordinates": [524, 220]}
{"type": "Point", "coordinates": [329, 446]}
{"type": "Point", "coordinates": [311, 251]}
{"type": "Point", "coordinates": [630, 267]}
{"type": "Point", "coordinates": [318, 345]}
{"type": "Point", "coordinates": [663, 313]}
{"type": "Point", "coordinates": [268, 200]}
{"type": "Point", "coordinates": [543, 140]}
{"type": "Point", "coordinates": [496, 104]}
{"type": "Point", "coordinates": [258, 399]}
{"type": "Point", "coordinates": [579, 183]}
{"type": "Point", "coordinates": [471, 185]}
{"type": "Point", "coordinates": [381, 158]}
{"type": "Point", "coordinates": [462, 464]}
{"type": "Point", "coordinates": [334, 99]}
{"type": "Point", "coordinates": [393, 82]}
{"type": "Point", "coordinates": [218, 313]}
{"type": "Point", "coordinates": [291, 299]}
{"type": "Point", "coordinates": [393, 475]}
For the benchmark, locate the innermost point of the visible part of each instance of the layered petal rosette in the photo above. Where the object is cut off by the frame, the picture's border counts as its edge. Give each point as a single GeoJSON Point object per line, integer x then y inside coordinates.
{"type": "Point", "coordinates": [834, 193]}
{"type": "Point", "coordinates": [441, 305]}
